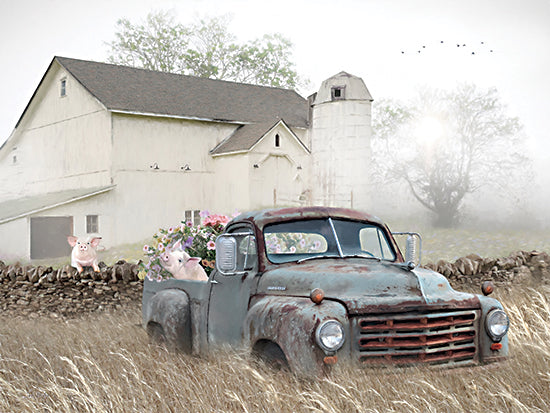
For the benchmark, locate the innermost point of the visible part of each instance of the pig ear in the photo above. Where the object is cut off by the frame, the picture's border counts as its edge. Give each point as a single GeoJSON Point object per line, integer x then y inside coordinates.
{"type": "Point", "coordinates": [95, 241]}
{"type": "Point", "coordinates": [71, 239]}
{"type": "Point", "coordinates": [192, 261]}
{"type": "Point", "coordinates": [177, 245]}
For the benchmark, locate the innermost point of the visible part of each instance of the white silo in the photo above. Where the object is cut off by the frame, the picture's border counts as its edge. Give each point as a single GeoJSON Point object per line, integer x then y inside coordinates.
{"type": "Point", "coordinates": [340, 135]}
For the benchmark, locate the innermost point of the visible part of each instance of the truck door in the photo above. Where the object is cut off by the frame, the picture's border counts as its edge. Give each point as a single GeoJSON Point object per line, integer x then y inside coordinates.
{"type": "Point", "coordinates": [230, 292]}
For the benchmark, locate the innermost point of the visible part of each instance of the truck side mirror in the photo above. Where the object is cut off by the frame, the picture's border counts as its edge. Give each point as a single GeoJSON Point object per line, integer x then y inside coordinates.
{"type": "Point", "coordinates": [413, 248]}
{"type": "Point", "coordinates": [226, 254]}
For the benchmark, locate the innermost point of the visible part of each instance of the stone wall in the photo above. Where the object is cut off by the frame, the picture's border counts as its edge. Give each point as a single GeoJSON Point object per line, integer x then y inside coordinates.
{"type": "Point", "coordinates": [519, 267]}
{"type": "Point", "coordinates": [62, 292]}
{"type": "Point", "coordinates": [33, 291]}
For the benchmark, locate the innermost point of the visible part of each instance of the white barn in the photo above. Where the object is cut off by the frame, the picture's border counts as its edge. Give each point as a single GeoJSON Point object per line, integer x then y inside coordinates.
{"type": "Point", "coordinates": [120, 151]}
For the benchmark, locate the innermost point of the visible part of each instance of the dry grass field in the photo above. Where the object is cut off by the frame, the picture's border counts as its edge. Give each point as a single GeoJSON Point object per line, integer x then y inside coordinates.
{"type": "Point", "coordinates": [105, 363]}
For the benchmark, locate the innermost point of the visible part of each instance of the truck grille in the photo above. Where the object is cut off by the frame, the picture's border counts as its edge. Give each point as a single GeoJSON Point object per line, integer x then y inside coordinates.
{"type": "Point", "coordinates": [411, 338]}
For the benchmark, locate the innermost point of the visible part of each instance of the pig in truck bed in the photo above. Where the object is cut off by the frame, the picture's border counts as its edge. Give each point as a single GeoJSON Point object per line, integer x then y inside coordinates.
{"type": "Point", "coordinates": [313, 287]}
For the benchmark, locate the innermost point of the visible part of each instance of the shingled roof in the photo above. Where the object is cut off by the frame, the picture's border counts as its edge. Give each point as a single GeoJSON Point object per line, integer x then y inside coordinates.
{"type": "Point", "coordinates": [133, 90]}
{"type": "Point", "coordinates": [246, 136]}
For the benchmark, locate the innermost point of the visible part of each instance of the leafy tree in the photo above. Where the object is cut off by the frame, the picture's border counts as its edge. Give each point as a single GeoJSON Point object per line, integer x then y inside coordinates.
{"type": "Point", "coordinates": [204, 49]}
{"type": "Point", "coordinates": [445, 145]}
{"type": "Point", "coordinates": [158, 44]}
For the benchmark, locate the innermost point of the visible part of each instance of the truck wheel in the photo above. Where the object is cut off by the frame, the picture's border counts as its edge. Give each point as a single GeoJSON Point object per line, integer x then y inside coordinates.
{"type": "Point", "coordinates": [156, 334]}
{"type": "Point", "coordinates": [271, 354]}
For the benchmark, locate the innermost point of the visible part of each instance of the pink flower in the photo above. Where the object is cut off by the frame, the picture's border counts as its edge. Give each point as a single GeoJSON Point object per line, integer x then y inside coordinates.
{"type": "Point", "coordinates": [189, 224]}
{"type": "Point", "coordinates": [211, 245]}
{"type": "Point", "coordinates": [146, 248]}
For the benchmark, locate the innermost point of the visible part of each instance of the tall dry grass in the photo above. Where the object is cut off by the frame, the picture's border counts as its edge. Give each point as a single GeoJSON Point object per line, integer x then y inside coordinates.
{"type": "Point", "coordinates": [106, 364]}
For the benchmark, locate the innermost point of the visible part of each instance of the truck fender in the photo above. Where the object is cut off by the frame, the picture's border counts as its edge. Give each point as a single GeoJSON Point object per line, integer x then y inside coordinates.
{"type": "Point", "coordinates": [486, 354]}
{"type": "Point", "coordinates": [170, 310]}
{"type": "Point", "coordinates": [291, 323]}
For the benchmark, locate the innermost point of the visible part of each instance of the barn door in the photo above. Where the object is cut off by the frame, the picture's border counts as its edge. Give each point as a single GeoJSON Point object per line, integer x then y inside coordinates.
{"type": "Point", "coordinates": [49, 237]}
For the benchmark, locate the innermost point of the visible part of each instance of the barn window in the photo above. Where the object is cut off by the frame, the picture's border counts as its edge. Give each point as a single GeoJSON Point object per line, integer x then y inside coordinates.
{"type": "Point", "coordinates": [277, 141]}
{"type": "Point", "coordinates": [63, 87]}
{"type": "Point", "coordinates": [193, 216]}
{"type": "Point", "coordinates": [337, 92]}
{"type": "Point", "coordinates": [92, 224]}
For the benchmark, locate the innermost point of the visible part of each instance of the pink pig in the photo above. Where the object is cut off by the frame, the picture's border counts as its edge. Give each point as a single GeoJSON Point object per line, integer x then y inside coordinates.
{"type": "Point", "coordinates": [183, 267]}
{"type": "Point", "coordinates": [84, 252]}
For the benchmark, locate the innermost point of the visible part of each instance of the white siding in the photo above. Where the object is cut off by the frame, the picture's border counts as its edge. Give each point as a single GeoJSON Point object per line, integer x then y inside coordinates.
{"type": "Point", "coordinates": [282, 174]}
{"type": "Point", "coordinates": [147, 198]}
{"type": "Point", "coordinates": [61, 143]}
{"type": "Point", "coordinates": [14, 240]}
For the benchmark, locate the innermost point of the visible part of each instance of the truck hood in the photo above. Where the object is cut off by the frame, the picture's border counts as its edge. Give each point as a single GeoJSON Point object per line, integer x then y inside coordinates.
{"type": "Point", "coordinates": [365, 285]}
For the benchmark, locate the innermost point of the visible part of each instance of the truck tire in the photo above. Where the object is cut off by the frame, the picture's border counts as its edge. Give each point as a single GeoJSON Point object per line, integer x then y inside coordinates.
{"type": "Point", "coordinates": [170, 319]}
{"type": "Point", "coordinates": [271, 354]}
{"type": "Point", "coordinates": [156, 334]}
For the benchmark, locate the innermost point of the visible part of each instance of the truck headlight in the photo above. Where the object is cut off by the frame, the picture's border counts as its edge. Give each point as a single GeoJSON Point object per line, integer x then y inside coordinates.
{"type": "Point", "coordinates": [330, 335]}
{"type": "Point", "coordinates": [497, 324]}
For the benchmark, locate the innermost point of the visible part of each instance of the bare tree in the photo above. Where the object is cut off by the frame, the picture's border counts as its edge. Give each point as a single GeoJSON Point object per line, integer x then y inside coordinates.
{"type": "Point", "coordinates": [446, 145]}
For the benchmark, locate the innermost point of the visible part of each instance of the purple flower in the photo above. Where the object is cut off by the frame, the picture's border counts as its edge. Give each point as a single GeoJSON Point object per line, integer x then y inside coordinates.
{"type": "Point", "coordinates": [188, 243]}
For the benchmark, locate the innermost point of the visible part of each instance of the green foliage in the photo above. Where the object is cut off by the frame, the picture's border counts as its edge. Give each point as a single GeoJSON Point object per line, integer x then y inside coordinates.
{"type": "Point", "coordinates": [157, 44]}
{"type": "Point", "coordinates": [476, 143]}
{"type": "Point", "coordinates": [204, 49]}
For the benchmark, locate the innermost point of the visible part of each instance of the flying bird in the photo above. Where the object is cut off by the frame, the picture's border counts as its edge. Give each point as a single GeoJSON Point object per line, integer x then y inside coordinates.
{"type": "Point", "coordinates": [472, 49]}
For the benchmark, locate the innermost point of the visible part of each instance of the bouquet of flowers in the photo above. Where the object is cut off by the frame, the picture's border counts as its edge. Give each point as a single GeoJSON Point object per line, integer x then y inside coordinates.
{"type": "Point", "coordinates": [197, 241]}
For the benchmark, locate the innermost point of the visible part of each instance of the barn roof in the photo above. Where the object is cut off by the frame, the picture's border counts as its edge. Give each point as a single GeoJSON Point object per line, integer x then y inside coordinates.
{"type": "Point", "coordinates": [22, 207]}
{"type": "Point", "coordinates": [246, 136]}
{"type": "Point", "coordinates": [133, 90]}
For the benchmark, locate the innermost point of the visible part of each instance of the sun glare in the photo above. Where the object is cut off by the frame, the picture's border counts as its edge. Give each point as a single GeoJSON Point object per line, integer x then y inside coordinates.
{"type": "Point", "coordinates": [429, 130]}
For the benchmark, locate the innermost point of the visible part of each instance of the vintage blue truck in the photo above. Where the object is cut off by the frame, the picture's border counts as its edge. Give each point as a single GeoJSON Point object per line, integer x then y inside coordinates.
{"type": "Point", "coordinates": [313, 287]}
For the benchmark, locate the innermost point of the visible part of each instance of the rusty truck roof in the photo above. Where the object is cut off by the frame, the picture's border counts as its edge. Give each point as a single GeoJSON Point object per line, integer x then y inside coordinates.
{"type": "Point", "coordinates": [268, 216]}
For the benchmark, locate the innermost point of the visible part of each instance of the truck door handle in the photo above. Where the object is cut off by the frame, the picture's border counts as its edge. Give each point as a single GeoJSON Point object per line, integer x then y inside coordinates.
{"type": "Point", "coordinates": [214, 282]}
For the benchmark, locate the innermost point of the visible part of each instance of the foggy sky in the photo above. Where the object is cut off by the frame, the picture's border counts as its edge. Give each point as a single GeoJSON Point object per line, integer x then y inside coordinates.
{"type": "Point", "coordinates": [363, 37]}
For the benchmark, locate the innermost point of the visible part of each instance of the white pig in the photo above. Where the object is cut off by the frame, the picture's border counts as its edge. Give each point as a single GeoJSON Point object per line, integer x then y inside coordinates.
{"type": "Point", "coordinates": [183, 267]}
{"type": "Point", "coordinates": [84, 253]}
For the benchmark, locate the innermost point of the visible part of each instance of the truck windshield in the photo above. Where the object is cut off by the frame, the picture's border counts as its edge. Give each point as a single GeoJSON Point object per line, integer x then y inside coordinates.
{"type": "Point", "coordinates": [308, 239]}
